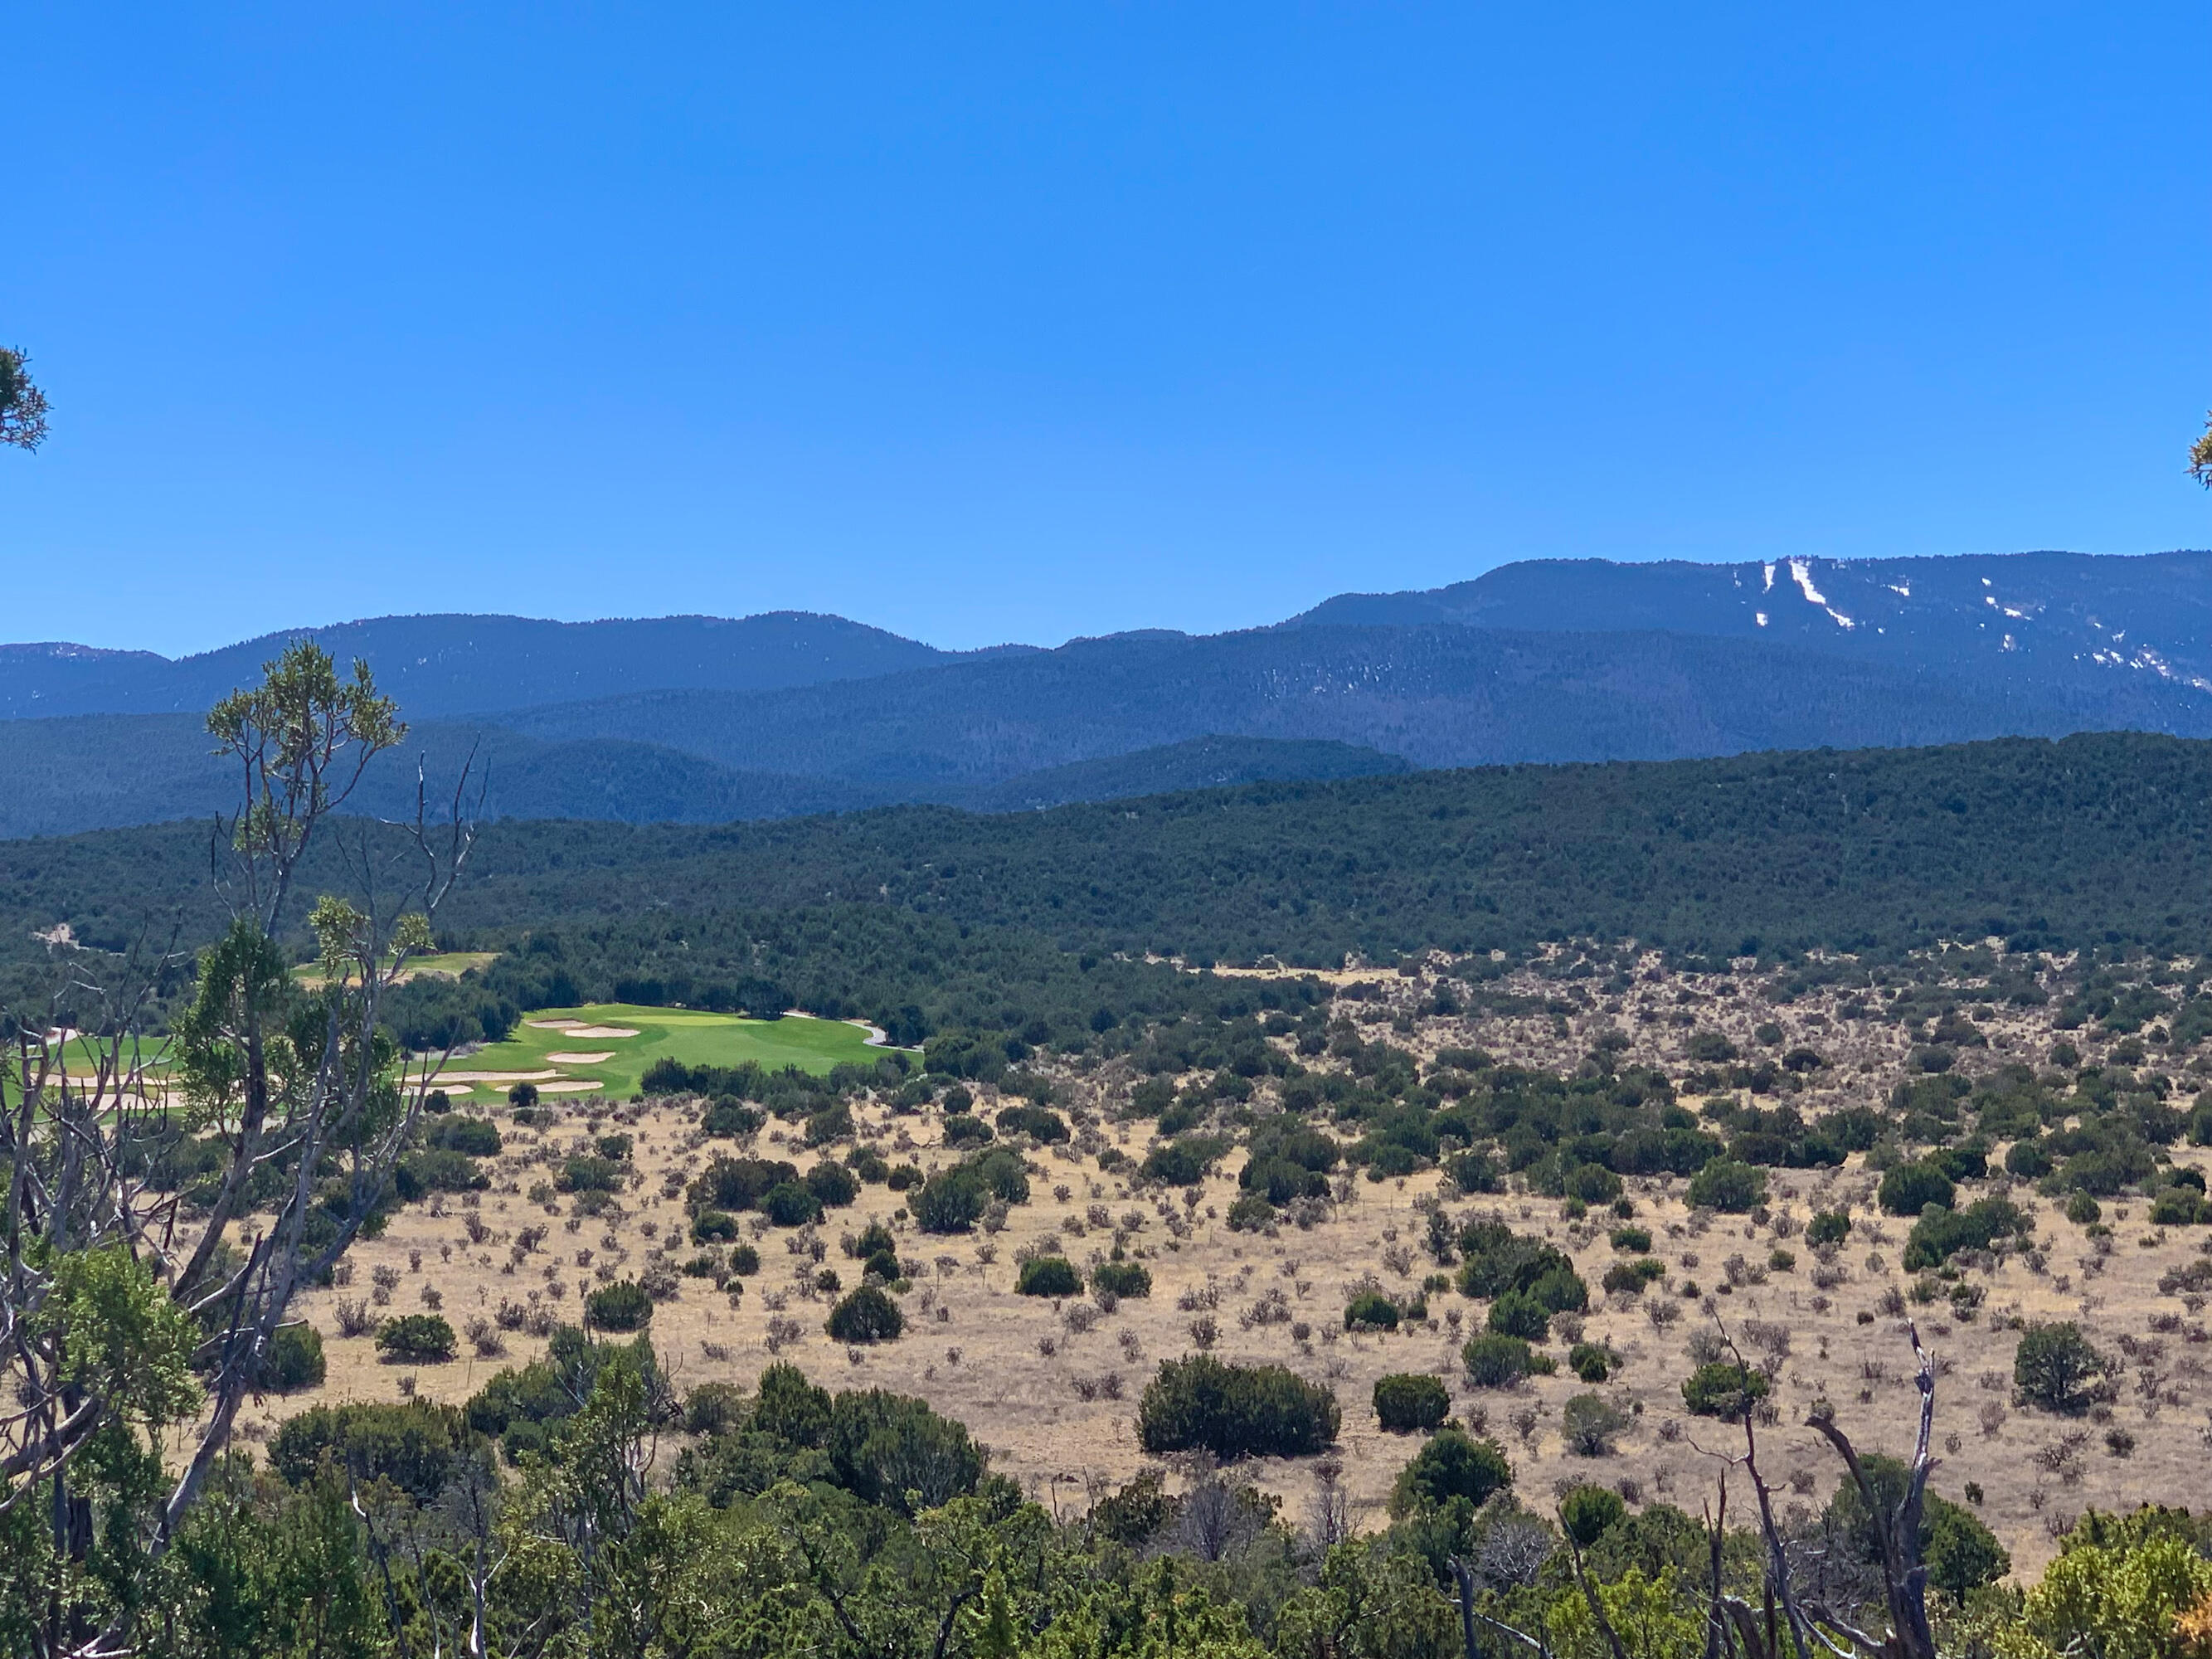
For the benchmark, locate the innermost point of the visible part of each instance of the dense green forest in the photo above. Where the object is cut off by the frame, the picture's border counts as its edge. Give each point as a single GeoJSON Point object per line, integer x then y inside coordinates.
{"type": "Point", "coordinates": [2087, 840]}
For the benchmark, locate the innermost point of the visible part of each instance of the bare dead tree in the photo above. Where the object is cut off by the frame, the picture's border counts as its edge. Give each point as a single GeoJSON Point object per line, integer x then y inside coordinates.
{"type": "Point", "coordinates": [1511, 1552]}
{"type": "Point", "coordinates": [1329, 1511]}
{"type": "Point", "coordinates": [115, 1293]}
{"type": "Point", "coordinates": [1793, 1619]}
{"type": "Point", "coordinates": [1814, 1621]}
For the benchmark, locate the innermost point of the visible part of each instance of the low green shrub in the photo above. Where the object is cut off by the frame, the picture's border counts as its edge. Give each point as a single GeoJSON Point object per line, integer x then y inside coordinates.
{"type": "Point", "coordinates": [1122, 1279]}
{"type": "Point", "coordinates": [865, 1316]}
{"type": "Point", "coordinates": [1726, 1185]}
{"type": "Point", "coordinates": [1592, 1362]}
{"type": "Point", "coordinates": [294, 1359]}
{"type": "Point", "coordinates": [1235, 1411]}
{"type": "Point", "coordinates": [1519, 1314]}
{"type": "Point", "coordinates": [1048, 1275]}
{"type": "Point", "coordinates": [1827, 1227]}
{"type": "Point", "coordinates": [619, 1306]}
{"type": "Point", "coordinates": [1411, 1402]}
{"type": "Point", "coordinates": [416, 1339]}
{"type": "Point", "coordinates": [1496, 1362]}
{"type": "Point", "coordinates": [1371, 1312]}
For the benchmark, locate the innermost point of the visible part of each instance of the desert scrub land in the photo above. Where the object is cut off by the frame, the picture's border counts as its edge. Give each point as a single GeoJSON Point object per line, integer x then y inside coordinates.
{"type": "Point", "coordinates": [1321, 1190]}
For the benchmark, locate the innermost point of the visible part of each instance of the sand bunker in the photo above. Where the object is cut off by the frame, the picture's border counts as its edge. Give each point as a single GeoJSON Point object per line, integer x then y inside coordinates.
{"type": "Point", "coordinates": [553, 1024]}
{"type": "Point", "coordinates": [598, 1031]}
{"type": "Point", "coordinates": [570, 1087]}
{"type": "Point", "coordinates": [495, 1077]}
{"type": "Point", "coordinates": [582, 1060]}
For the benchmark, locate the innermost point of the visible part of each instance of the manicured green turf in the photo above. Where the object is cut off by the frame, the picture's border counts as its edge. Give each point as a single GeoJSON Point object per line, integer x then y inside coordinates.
{"type": "Point", "coordinates": [696, 1039]}
{"type": "Point", "coordinates": [81, 1057]}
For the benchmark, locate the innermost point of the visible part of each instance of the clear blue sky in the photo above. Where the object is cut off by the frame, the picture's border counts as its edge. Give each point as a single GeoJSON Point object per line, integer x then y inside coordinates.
{"type": "Point", "coordinates": [1026, 321]}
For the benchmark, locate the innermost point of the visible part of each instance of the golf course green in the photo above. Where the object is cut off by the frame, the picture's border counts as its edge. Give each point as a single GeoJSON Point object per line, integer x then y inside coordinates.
{"type": "Point", "coordinates": [605, 1049]}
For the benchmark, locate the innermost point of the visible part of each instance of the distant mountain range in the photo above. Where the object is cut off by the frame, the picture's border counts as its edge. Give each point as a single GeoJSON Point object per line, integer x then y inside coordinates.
{"type": "Point", "coordinates": [442, 665]}
{"type": "Point", "coordinates": [2070, 619]}
{"type": "Point", "coordinates": [700, 719]}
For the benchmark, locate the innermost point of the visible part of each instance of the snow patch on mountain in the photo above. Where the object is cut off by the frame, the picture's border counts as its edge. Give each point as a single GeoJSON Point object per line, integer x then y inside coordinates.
{"type": "Point", "coordinates": [1802, 576]}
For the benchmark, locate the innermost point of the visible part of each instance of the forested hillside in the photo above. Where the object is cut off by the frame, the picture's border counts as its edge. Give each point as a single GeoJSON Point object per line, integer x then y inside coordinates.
{"type": "Point", "coordinates": [2090, 839]}
{"type": "Point", "coordinates": [110, 771]}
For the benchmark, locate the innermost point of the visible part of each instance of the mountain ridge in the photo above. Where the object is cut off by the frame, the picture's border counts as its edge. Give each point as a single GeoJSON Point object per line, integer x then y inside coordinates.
{"type": "Point", "coordinates": [2067, 618]}
{"type": "Point", "coordinates": [700, 719]}
{"type": "Point", "coordinates": [451, 663]}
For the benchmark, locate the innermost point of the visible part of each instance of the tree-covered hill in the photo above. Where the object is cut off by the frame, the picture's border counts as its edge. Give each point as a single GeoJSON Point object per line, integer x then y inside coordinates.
{"type": "Point", "coordinates": [2087, 839]}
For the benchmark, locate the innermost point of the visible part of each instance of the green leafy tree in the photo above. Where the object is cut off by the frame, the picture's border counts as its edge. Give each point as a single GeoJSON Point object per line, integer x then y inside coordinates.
{"type": "Point", "coordinates": [1723, 1389]}
{"type": "Point", "coordinates": [1651, 1618]}
{"type": "Point", "coordinates": [894, 1450]}
{"type": "Point", "coordinates": [1373, 1599]}
{"type": "Point", "coordinates": [1587, 1513]}
{"type": "Point", "coordinates": [1451, 1464]}
{"type": "Point", "coordinates": [22, 405]}
{"type": "Point", "coordinates": [2121, 1596]}
{"type": "Point", "coordinates": [2055, 1367]}
{"type": "Point", "coordinates": [162, 1303]}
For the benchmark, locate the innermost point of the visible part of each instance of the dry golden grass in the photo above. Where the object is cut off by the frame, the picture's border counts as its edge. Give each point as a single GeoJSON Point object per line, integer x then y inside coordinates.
{"type": "Point", "coordinates": [1055, 1401]}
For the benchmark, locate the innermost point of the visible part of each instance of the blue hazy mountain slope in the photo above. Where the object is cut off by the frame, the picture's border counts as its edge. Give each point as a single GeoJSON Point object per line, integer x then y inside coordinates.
{"type": "Point", "coordinates": [1437, 696]}
{"type": "Point", "coordinates": [693, 718]}
{"type": "Point", "coordinates": [81, 772]}
{"type": "Point", "coordinates": [442, 665]}
{"type": "Point", "coordinates": [2065, 619]}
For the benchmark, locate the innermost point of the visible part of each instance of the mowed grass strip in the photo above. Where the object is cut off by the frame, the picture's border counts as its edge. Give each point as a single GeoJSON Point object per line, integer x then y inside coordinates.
{"type": "Point", "coordinates": [683, 1034]}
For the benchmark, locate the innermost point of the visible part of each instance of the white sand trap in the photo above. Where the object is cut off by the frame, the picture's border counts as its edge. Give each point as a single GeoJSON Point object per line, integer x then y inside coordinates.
{"type": "Point", "coordinates": [598, 1031]}
{"type": "Point", "coordinates": [572, 1087]}
{"type": "Point", "coordinates": [495, 1077]}
{"type": "Point", "coordinates": [553, 1024]}
{"type": "Point", "coordinates": [582, 1060]}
